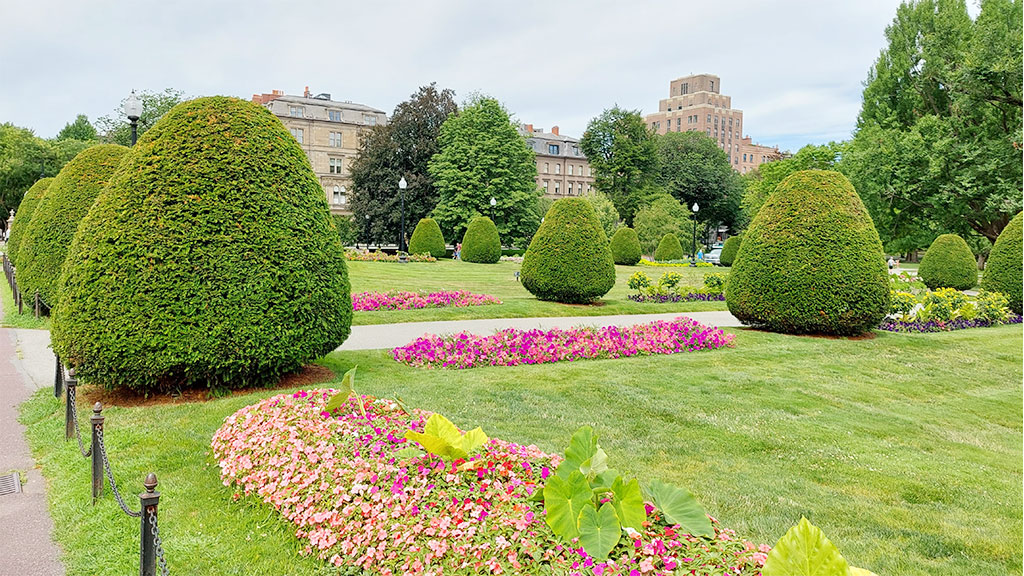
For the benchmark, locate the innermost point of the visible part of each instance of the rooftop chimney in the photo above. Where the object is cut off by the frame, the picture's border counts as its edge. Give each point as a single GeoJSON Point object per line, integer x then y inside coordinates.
{"type": "Point", "coordinates": [528, 128]}
{"type": "Point", "coordinates": [554, 130]}
{"type": "Point", "coordinates": [306, 94]}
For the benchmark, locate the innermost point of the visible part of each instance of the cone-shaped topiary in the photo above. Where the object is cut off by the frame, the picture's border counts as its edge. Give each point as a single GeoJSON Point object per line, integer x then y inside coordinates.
{"type": "Point", "coordinates": [1003, 270]}
{"type": "Point", "coordinates": [23, 215]}
{"type": "Point", "coordinates": [58, 215]}
{"type": "Point", "coordinates": [729, 250]}
{"type": "Point", "coordinates": [480, 243]}
{"type": "Point", "coordinates": [669, 248]}
{"type": "Point", "coordinates": [427, 239]}
{"type": "Point", "coordinates": [569, 259]}
{"type": "Point", "coordinates": [210, 260]}
{"type": "Point", "coordinates": [948, 263]}
{"type": "Point", "coordinates": [811, 261]}
{"type": "Point", "coordinates": [625, 246]}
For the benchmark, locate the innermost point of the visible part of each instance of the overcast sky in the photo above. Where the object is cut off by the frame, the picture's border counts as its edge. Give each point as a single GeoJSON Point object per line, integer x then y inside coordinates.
{"type": "Point", "coordinates": [794, 67]}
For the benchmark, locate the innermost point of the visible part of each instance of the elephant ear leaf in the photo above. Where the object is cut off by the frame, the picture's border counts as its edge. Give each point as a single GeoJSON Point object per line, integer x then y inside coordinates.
{"type": "Point", "coordinates": [628, 502]}
{"type": "Point", "coordinates": [582, 447]}
{"type": "Point", "coordinates": [680, 507]}
{"type": "Point", "coordinates": [443, 428]}
{"type": "Point", "coordinates": [435, 445]}
{"type": "Point", "coordinates": [599, 530]}
{"type": "Point", "coordinates": [473, 440]}
{"type": "Point", "coordinates": [345, 391]}
{"type": "Point", "coordinates": [408, 452]}
{"type": "Point", "coordinates": [564, 500]}
{"type": "Point", "coordinates": [595, 465]}
{"type": "Point", "coordinates": [805, 551]}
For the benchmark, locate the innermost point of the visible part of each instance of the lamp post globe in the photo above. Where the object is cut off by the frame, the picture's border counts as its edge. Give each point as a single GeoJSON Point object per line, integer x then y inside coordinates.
{"type": "Point", "coordinates": [493, 204]}
{"type": "Point", "coordinates": [133, 110]}
{"type": "Point", "coordinates": [402, 184]}
{"type": "Point", "coordinates": [693, 252]}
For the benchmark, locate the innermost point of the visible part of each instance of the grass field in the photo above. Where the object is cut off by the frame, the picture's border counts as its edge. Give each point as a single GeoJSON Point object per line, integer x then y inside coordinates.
{"type": "Point", "coordinates": [10, 317]}
{"type": "Point", "coordinates": [905, 449]}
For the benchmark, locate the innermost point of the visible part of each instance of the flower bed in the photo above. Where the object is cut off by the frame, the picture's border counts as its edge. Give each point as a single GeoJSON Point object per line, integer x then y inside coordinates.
{"type": "Point", "coordinates": [512, 347]}
{"type": "Point", "coordinates": [892, 325]}
{"type": "Point", "coordinates": [357, 504]}
{"type": "Point", "coordinates": [401, 300]}
{"type": "Point", "coordinates": [378, 256]}
{"type": "Point", "coordinates": [688, 297]}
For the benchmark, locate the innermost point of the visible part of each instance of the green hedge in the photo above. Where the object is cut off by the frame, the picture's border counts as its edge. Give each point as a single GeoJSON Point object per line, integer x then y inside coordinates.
{"type": "Point", "coordinates": [58, 215]}
{"type": "Point", "coordinates": [729, 250]}
{"type": "Point", "coordinates": [23, 216]}
{"type": "Point", "coordinates": [210, 260]}
{"type": "Point", "coordinates": [948, 263]}
{"type": "Point", "coordinates": [625, 246]}
{"type": "Point", "coordinates": [669, 249]}
{"type": "Point", "coordinates": [1003, 270]}
{"type": "Point", "coordinates": [569, 259]}
{"type": "Point", "coordinates": [481, 243]}
{"type": "Point", "coordinates": [811, 261]}
{"type": "Point", "coordinates": [427, 239]}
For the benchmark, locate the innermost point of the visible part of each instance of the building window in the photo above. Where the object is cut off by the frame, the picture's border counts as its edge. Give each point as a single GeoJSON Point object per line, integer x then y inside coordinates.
{"type": "Point", "coordinates": [334, 139]}
{"type": "Point", "coordinates": [570, 188]}
{"type": "Point", "coordinates": [545, 186]}
{"type": "Point", "coordinates": [546, 168]}
{"type": "Point", "coordinates": [576, 150]}
{"type": "Point", "coordinates": [744, 157]}
{"type": "Point", "coordinates": [736, 161]}
{"type": "Point", "coordinates": [679, 123]}
{"type": "Point", "coordinates": [339, 195]}
{"type": "Point", "coordinates": [589, 188]}
{"type": "Point", "coordinates": [709, 118]}
{"type": "Point", "coordinates": [297, 133]}
{"type": "Point", "coordinates": [556, 188]}
{"type": "Point", "coordinates": [335, 165]}
{"type": "Point", "coordinates": [712, 85]}
{"type": "Point", "coordinates": [553, 149]}
{"type": "Point", "coordinates": [295, 111]}
{"type": "Point", "coordinates": [590, 172]}
{"type": "Point", "coordinates": [558, 168]}
{"type": "Point", "coordinates": [334, 115]}
{"type": "Point", "coordinates": [686, 88]}
{"type": "Point", "coordinates": [369, 120]}
{"type": "Point", "coordinates": [570, 169]}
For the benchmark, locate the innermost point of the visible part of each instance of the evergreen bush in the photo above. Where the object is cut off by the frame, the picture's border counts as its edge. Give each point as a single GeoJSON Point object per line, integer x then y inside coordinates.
{"type": "Point", "coordinates": [729, 250]}
{"type": "Point", "coordinates": [948, 263]}
{"type": "Point", "coordinates": [569, 259]}
{"type": "Point", "coordinates": [427, 239]}
{"type": "Point", "coordinates": [56, 219]}
{"type": "Point", "coordinates": [625, 246]}
{"type": "Point", "coordinates": [211, 259]}
{"type": "Point", "coordinates": [811, 261]}
{"type": "Point", "coordinates": [23, 215]}
{"type": "Point", "coordinates": [669, 249]}
{"type": "Point", "coordinates": [480, 243]}
{"type": "Point", "coordinates": [1003, 270]}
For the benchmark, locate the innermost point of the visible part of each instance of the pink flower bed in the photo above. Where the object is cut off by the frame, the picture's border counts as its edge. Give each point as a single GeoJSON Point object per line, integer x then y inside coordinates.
{"type": "Point", "coordinates": [336, 477]}
{"type": "Point", "coordinates": [401, 300]}
{"type": "Point", "coordinates": [511, 347]}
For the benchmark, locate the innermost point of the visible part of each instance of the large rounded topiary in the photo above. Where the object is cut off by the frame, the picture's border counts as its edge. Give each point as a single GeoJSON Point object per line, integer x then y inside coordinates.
{"type": "Point", "coordinates": [811, 261]}
{"type": "Point", "coordinates": [948, 263]}
{"type": "Point", "coordinates": [427, 239]}
{"type": "Point", "coordinates": [481, 243]}
{"type": "Point", "coordinates": [669, 248]}
{"type": "Point", "coordinates": [58, 215]}
{"type": "Point", "coordinates": [1003, 270]}
{"type": "Point", "coordinates": [23, 215]}
{"type": "Point", "coordinates": [625, 246]}
{"type": "Point", "coordinates": [211, 259]}
{"type": "Point", "coordinates": [729, 250]}
{"type": "Point", "coordinates": [569, 259]}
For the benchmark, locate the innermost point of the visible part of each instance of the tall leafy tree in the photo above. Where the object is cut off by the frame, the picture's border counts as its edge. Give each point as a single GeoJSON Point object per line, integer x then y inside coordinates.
{"type": "Point", "coordinates": [483, 156]}
{"type": "Point", "coordinates": [693, 169]}
{"type": "Point", "coordinates": [80, 129]}
{"type": "Point", "coordinates": [759, 184]}
{"type": "Point", "coordinates": [115, 128]}
{"type": "Point", "coordinates": [387, 153]}
{"type": "Point", "coordinates": [622, 152]}
{"type": "Point", "coordinates": [663, 214]}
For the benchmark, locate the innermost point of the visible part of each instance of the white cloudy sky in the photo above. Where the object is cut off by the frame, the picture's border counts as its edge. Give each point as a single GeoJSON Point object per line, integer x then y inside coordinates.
{"type": "Point", "coordinates": [794, 67]}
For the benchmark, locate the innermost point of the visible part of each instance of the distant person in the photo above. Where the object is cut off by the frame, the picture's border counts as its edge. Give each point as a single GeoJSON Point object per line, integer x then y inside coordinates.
{"type": "Point", "coordinates": [892, 263]}
{"type": "Point", "coordinates": [457, 255]}
{"type": "Point", "coordinates": [700, 254]}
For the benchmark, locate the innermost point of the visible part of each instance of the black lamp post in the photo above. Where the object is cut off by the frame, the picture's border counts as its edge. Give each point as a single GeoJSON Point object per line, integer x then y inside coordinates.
{"type": "Point", "coordinates": [367, 231]}
{"type": "Point", "coordinates": [402, 184]}
{"type": "Point", "coordinates": [493, 204]}
{"type": "Point", "coordinates": [693, 254]}
{"type": "Point", "coordinates": [133, 109]}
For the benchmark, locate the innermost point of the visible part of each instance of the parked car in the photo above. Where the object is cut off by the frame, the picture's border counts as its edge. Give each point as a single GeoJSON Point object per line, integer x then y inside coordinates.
{"type": "Point", "coordinates": [714, 257]}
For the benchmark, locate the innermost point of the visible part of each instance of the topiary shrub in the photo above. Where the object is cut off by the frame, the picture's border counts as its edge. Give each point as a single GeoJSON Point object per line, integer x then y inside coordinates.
{"type": "Point", "coordinates": [427, 239]}
{"type": "Point", "coordinates": [625, 246]}
{"type": "Point", "coordinates": [58, 215]}
{"type": "Point", "coordinates": [669, 249]}
{"type": "Point", "coordinates": [1003, 270]}
{"type": "Point", "coordinates": [811, 261]}
{"type": "Point", "coordinates": [569, 259]}
{"type": "Point", "coordinates": [210, 260]}
{"type": "Point", "coordinates": [480, 243]}
{"type": "Point", "coordinates": [729, 250]}
{"type": "Point", "coordinates": [23, 215]}
{"type": "Point", "coordinates": [948, 263]}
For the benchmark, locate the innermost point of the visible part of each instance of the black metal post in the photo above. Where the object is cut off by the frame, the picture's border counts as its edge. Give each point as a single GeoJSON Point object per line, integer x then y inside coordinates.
{"type": "Point", "coordinates": [36, 303]}
{"type": "Point", "coordinates": [693, 254]}
{"type": "Point", "coordinates": [70, 391]}
{"type": "Point", "coordinates": [21, 303]}
{"type": "Point", "coordinates": [97, 454]}
{"type": "Point", "coordinates": [135, 130]}
{"type": "Point", "coordinates": [58, 378]}
{"type": "Point", "coordinates": [149, 499]}
{"type": "Point", "coordinates": [401, 239]}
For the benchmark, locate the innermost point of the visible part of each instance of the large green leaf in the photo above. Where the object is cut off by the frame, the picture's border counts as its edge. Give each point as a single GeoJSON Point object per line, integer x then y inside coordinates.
{"type": "Point", "coordinates": [680, 507]}
{"type": "Point", "coordinates": [805, 551]}
{"type": "Point", "coordinates": [628, 502]}
{"type": "Point", "coordinates": [603, 482]}
{"type": "Point", "coordinates": [596, 464]}
{"type": "Point", "coordinates": [473, 440]}
{"type": "Point", "coordinates": [582, 446]}
{"type": "Point", "coordinates": [599, 530]}
{"type": "Point", "coordinates": [435, 445]}
{"type": "Point", "coordinates": [563, 502]}
{"type": "Point", "coordinates": [345, 391]}
{"type": "Point", "coordinates": [443, 428]}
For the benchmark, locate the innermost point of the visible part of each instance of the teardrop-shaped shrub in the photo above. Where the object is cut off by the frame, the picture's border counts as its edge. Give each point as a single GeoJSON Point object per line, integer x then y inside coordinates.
{"type": "Point", "coordinates": [948, 263]}
{"type": "Point", "coordinates": [729, 250]}
{"type": "Point", "coordinates": [811, 261]}
{"type": "Point", "coordinates": [427, 239]}
{"type": "Point", "coordinates": [625, 246]}
{"type": "Point", "coordinates": [58, 215]}
{"type": "Point", "coordinates": [569, 259]}
{"type": "Point", "coordinates": [669, 249]}
{"type": "Point", "coordinates": [1003, 269]}
{"type": "Point", "coordinates": [481, 243]}
{"type": "Point", "coordinates": [23, 215]}
{"type": "Point", "coordinates": [210, 260]}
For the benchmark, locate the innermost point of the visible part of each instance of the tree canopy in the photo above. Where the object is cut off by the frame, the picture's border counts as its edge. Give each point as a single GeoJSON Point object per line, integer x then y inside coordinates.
{"type": "Point", "coordinates": [761, 183]}
{"type": "Point", "coordinates": [115, 129]}
{"type": "Point", "coordinates": [80, 129]}
{"type": "Point", "coordinates": [622, 151]}
{"type": "Point", "coordinates": [693, 169]}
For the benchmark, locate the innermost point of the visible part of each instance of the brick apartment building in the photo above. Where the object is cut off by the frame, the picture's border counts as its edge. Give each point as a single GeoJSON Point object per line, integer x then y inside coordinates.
{"type": "Point", "coordinates": [328, 132]}
{"type": "Point", "coordinates": [562, 169]}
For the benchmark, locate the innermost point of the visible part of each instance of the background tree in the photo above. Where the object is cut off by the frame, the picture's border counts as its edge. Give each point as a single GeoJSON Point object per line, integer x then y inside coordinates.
{"type": "Point", "coordinates": [482, 156]}
{"type": "Point", "coordinates": [759, 184]}
{"type": "Point", "coordinates": [605, 211]}
{"type": "Point", "coordinates": [80, 129]}
{"type": "Point", "coordinates": [401, 148]}
{"type": "Point", "coordinates": [693, 169]}
{"type": "Point", "coordinates": [622, 152]}
{"type": "Point", "coordinates": [115, 129]}
{"type": "Point", "coordinates": [663, 215]}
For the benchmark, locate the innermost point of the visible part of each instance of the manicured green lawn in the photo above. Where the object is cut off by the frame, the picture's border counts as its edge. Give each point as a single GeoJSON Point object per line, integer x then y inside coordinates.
{"type": "Point", "coordinates": [905, 449]}
{"type": "Point", "coordinates": [499, 280]}
{"type": "Point", "coordinates": [10, 317]}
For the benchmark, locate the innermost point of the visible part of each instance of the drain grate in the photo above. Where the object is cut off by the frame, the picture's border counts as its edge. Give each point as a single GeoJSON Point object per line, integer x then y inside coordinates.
{"type": "Point", "coordinates": [10, 484]}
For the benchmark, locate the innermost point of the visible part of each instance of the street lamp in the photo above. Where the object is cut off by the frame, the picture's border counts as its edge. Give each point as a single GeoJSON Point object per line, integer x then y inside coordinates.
{"type": "Point", "coordinates": [367, 232]}
{"type": "Point", "coordinates": [133, 109]}
{"type": "Point", "coordinates": [493, 204]}
{"type": "Point", "coordinates": [693, 254]}
{"type": "Point", "coordinates": [402, 184]}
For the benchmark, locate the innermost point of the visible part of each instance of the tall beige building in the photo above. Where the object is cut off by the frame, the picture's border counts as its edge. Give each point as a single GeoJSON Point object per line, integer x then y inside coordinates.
{"type": "Point", "coordinates": [696, 103]}
{"type": "Point", "coordinates": [562, 169]}
{"type": "Point", "coordinates": [329, 133]}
